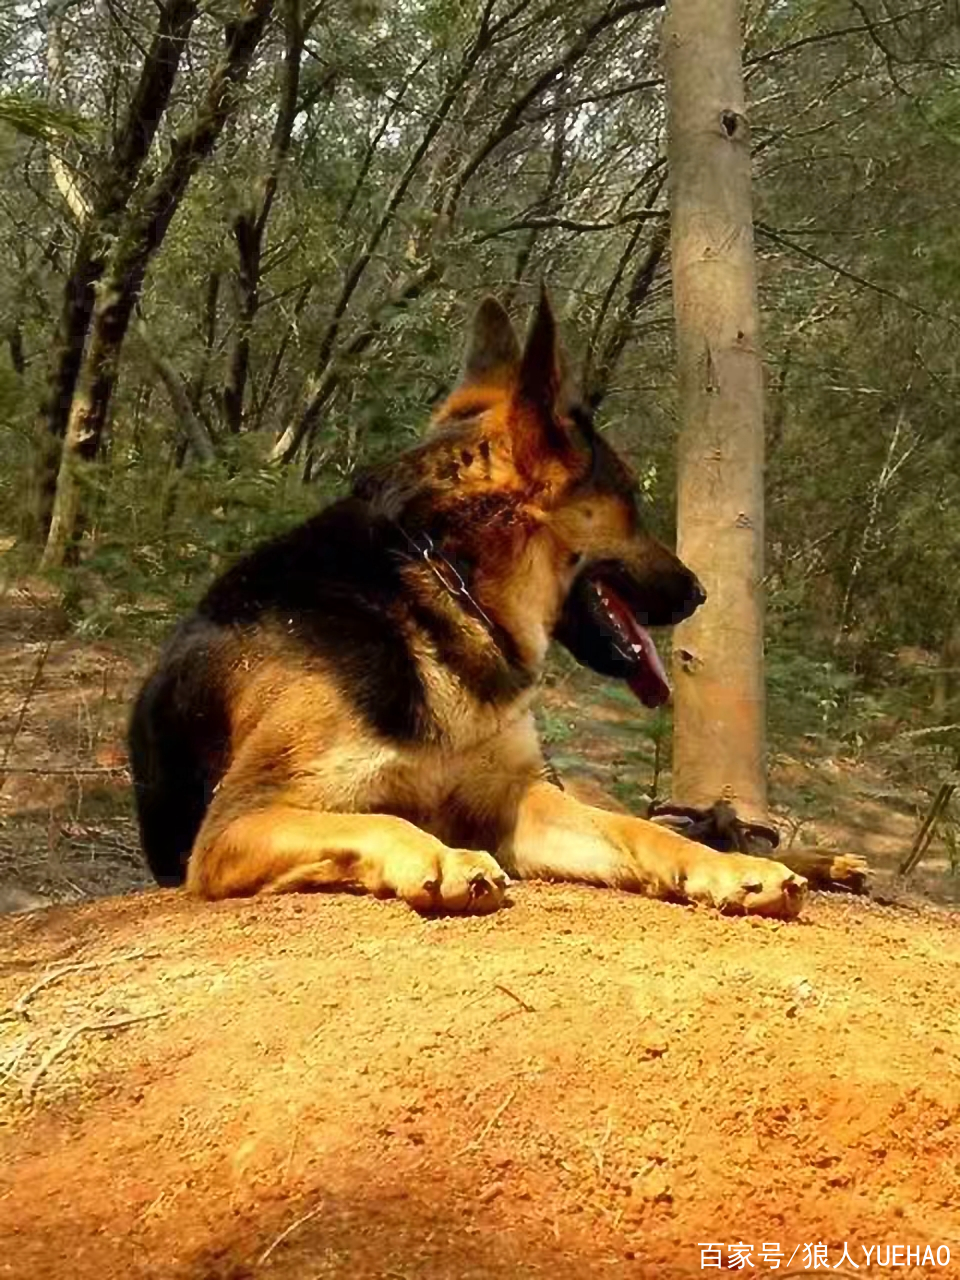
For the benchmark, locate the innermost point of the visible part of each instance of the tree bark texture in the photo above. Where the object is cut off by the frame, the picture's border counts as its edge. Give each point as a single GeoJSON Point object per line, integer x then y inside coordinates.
{"type": "Point", "coordinates": [141, 235]}
{"type": "Point", "coordinates": [719, 740]}
{"type": "Point", "coordinates": [250, 224]}
{"type": "Point", "coordinates": [113, 187]}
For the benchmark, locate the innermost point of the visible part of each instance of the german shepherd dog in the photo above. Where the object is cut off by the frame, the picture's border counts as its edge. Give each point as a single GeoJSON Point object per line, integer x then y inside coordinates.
{"type": "Point", "coordinates": [350, 705]}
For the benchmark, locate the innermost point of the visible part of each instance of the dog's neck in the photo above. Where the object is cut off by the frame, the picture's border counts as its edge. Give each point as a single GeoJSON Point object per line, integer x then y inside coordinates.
{"type": "Point", "coordinates": [488, 659]}
{"type": "Point", "coordinates": [449, 576]}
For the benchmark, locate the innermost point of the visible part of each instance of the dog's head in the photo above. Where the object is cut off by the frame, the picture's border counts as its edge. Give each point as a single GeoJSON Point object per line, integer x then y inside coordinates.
{"type": "Point", "coordinates": [512, 466]}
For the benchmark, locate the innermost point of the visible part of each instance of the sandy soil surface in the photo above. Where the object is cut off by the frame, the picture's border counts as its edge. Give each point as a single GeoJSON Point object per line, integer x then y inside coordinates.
{"type": "Point", "coordinates": [586, 1084]}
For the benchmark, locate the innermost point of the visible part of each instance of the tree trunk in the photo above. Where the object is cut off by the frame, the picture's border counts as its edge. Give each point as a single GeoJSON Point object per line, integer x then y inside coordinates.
{"type": "Point", "coordinates": [249, 244]}
{"type": "Point", "coordinates": [249, 226]}
{"type": "Point", "coordinates": [121, 169]}
{"type": "Point", "coordinates": [192, 430]}
{"type": "Point", "coordinates": [719, 739]}
{"type": "Point", "coordinates": [141, 235]}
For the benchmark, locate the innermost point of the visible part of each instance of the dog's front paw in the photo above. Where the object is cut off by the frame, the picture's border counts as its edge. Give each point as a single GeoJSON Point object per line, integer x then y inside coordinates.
{"type": "Point", "coordinates": [442, 879]}
{"type": "Point", "coordinates": [743, 885]}
{"type": "Point", "coordinates": [470, 881]}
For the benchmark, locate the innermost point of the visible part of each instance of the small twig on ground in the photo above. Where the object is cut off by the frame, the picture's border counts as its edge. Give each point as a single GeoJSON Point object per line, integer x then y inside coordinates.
{"type": "Point", "coordinates": [818, 1271]}
{"type": "Point", "coordinates": [931, 732]}
{"type": "Point", "coordinates": [60, 1046]}
{"type": "Point", "coordinates": [16, 1057]}
{"type": "Point", "coordinates": [293, 1146]}
{"type": "Point", "coordinates": [19, 963]}
{"type": "Point", "coordinates": [483, 995]}
{"type": "Point", "coordinates": [20, 1004]}
{"type": "Point", "coordinates": [600, 1150]}
{"type": "Point", "coordinates": [24, 708]}
{"type": "Point", "coordinates": [527, 1008]}
{"type": "Point", "coordinates": [288, 1231]}
{"type": "Point", "coordinates": [478, 1140]}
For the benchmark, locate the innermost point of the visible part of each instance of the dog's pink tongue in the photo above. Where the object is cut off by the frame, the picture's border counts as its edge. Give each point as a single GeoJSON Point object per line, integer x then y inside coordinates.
{"type": "Point", "coordinates": [649, 682]}
{"type": "Point", "coordinates": [649, 679]}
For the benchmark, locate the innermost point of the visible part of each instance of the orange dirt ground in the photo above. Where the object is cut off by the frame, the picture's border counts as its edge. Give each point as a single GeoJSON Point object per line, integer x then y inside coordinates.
{"type": "Point", "coordinates": [586, 1084]}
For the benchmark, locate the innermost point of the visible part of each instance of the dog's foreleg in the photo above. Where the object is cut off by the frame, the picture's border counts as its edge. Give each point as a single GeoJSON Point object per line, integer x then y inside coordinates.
{"type": "Point", "coordinates": [556, 837]}
{"type": "Point", "coordinates": [283, 849]}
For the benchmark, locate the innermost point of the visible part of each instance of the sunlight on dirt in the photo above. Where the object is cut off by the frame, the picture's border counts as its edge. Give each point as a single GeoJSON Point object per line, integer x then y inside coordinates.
{"type": "Point", "coordinates": [586, 1084]}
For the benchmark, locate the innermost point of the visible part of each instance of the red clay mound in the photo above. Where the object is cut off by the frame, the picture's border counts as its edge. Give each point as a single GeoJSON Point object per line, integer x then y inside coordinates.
{"type": "Point", "coordinates": [585, 1085]}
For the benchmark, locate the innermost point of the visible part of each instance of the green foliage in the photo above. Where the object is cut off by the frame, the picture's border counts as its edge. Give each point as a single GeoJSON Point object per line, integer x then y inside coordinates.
{"type": "Point", "coordinates": [34, 118]}
{"type": "Point", "coordinates": [809, 696]}
{"type": "Point", "coordinates": [155, 553]}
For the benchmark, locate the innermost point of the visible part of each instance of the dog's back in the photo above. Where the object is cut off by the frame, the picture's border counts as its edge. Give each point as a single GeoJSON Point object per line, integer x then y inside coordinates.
{"type": "Point", "coordinates": [177, 722]}
{"type": "Point", "coordinates": [324, 595]}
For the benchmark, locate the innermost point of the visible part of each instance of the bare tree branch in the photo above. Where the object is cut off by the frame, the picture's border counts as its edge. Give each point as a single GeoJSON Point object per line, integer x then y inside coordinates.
{"type": "Point", "coordinates": [546, 221]}
{"type": "Point", "coordinates": [289, 441]}
{"type": "Point", "coordinates": [605, 95]}
{"type": "Point", "coordinates": [825, 37]}
{"type": "Point", "coordinates": [514, 115]}
{"type": "Point", "coordinates": [777, 238]}
{"type": "Point", "coordinates": [188, 421]}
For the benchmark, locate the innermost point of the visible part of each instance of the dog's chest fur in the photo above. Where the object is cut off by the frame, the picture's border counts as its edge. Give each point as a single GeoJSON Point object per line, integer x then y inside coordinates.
{"type": "Point", "coordinates": [460, 790]}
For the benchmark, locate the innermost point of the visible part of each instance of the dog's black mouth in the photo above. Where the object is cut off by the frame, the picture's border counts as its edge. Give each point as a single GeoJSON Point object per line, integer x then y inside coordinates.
{"type": "Point", "coordinates": [605, 621]}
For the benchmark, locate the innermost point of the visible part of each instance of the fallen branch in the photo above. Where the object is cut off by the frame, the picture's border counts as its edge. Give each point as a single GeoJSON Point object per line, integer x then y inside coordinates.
{"type": "Point", "coordinates": [527, 1008]}
{"type": "Point", "coordinates": [60, 1047]}
{"type": "Point", "coordinates": [20, 1004]}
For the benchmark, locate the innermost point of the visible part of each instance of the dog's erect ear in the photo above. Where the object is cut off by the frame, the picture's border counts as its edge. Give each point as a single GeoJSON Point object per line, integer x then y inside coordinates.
{"type": "Point", "coordinates": [493, 351]}
{"type": "Point", "coordinates": [542, 396]}
{"type": "Point", "coordinates": [543, 362]}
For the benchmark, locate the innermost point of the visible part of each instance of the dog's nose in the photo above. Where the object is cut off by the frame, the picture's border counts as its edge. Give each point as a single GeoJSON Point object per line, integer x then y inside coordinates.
{"type": "Point", "coordinates": [689, 599]}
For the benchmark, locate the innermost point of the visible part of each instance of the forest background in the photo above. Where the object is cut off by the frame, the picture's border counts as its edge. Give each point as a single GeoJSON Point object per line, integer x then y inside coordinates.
{"type": "Point", "coordinates": [239, 248]}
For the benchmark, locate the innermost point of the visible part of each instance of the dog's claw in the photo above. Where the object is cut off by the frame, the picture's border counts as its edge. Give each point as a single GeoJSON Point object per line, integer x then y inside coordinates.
{"type": "Point", "coordinates": [740, 884]}
{"type": "Point", "coordinates": [479, 885]}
